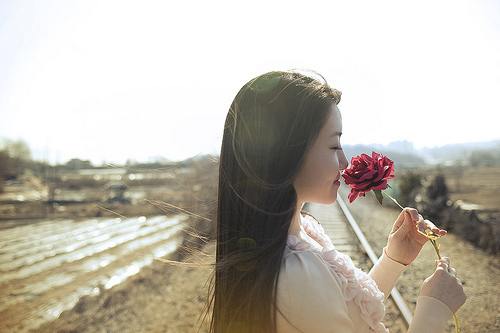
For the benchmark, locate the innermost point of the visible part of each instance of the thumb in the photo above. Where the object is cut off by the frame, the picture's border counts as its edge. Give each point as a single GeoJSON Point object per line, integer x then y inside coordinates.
{"type": "Point", "coordinates": [399, 221]}
{"type": "Point", "coordinates": [405, 225]}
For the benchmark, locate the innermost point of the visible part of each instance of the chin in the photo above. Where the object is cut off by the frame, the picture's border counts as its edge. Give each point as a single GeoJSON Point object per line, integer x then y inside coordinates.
{"type": "Point", "coordinates": [327, 201]}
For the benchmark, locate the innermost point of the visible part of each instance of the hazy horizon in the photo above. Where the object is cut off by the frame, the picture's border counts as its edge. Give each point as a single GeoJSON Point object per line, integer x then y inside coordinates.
{"type": "Point", "coordinates": [402, 146]}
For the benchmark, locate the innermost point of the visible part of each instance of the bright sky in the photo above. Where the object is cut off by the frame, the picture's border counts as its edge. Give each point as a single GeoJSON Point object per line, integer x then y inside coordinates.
{"type": "Point", "coordinates": [112, 80]}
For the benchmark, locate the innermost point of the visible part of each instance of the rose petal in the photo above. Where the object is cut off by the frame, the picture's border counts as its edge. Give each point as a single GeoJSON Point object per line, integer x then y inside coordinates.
{"type": "Point", "coordinates": [368, 173]}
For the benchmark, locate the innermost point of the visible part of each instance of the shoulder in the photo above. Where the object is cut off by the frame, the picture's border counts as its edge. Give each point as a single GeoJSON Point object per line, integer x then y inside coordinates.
{"type": "Point", "coordinates": [306, 275]}
{"type": "Point", "coordinates": [309, 294]}
{"type": "Point", "coordinates": [304, 265]}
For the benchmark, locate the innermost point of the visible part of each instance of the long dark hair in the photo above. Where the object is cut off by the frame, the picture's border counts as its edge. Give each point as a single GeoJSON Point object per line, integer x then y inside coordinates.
{"type": "Point", "coordinates": [272, 123]}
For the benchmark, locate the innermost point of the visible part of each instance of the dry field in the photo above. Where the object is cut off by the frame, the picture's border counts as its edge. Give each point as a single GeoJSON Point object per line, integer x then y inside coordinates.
{"type": "Point", "coordinates": [162, 298]}
{"type": "Point", "coordinates": [478, 186]}
{"type": "Point", "coordinates": [52, 255]}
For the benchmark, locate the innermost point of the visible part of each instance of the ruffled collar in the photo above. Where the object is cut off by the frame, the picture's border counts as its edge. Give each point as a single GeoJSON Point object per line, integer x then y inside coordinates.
{"type": "Point", "coordinates": [356, 285]}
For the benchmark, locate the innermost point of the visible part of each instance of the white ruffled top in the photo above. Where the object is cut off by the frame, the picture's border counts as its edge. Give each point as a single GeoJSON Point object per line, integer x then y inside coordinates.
{"type": "Point", "coordinates": [320, 289]}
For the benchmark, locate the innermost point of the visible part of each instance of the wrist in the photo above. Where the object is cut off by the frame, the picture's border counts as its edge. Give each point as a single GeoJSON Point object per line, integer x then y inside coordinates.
{"type": "Point", "coordinates": [395, 258]}
{"type": "Point", "coordinates": [430, 315]}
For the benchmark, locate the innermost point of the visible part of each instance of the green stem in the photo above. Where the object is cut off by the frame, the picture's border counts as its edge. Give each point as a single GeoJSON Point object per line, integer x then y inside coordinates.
{"type": "Point", "coordinates": [395, 201]}
{"type": "Point", "coordinates": [434, 244]}
{"type": "Point", "coordinates": [456, 323]}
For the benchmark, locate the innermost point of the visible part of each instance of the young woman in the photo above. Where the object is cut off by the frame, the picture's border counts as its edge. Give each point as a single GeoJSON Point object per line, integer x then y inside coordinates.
{"type": "Point", "coordinates": [276, 270]}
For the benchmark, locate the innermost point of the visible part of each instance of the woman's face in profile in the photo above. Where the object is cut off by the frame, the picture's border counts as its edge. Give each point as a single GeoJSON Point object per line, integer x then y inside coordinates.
{"type": "Point", "coordinates": [319, 178]}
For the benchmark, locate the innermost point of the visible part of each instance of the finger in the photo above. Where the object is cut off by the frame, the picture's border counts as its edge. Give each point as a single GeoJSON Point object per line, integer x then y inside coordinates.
{"type": "Point", "coordinates": [413, 213]}
{"type": "Point", "coordinates": [452, 271]}
{"type": "Point", "coordinates": [443, 265]}
{"type": "Point", "coordinates": [446, 259]}
{"type": "Point", "coordinates": [399, 221]}
{"type": "Point", "coordinates": [421, 224]}
{"type": "Point", "coordinates": [432, 227]}
{"type": "Point", "coordinates": [404, 223]}
{"type": "Point", "coordinates": [440, 264]}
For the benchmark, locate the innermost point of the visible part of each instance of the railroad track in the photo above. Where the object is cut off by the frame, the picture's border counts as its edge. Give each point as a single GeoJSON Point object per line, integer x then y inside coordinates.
{"type": "Point", "coordinates": [349, 239]}
{"type": "Point", "coordinates": [45, 267]}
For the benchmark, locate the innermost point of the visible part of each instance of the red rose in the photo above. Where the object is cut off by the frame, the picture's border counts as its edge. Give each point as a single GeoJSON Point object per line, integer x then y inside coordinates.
{"type": "Point", "coordinates": [368, 174]}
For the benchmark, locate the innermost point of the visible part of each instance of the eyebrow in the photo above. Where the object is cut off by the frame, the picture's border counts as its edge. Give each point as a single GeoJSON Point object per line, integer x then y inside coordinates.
{"type": "Point", "coordinates": [337, 133]}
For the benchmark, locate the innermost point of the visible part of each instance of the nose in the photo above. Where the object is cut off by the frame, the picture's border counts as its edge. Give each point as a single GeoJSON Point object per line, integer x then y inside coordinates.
{"type": "Point", "coordinates": [343, 162]}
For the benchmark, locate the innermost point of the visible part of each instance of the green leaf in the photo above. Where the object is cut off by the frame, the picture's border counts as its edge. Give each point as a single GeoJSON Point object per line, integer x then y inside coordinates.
{"type": "Point", "coordinates": [378, 194]}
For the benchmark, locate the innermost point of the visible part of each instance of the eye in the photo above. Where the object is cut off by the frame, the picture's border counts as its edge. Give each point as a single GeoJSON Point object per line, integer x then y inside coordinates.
{"type": "Point", "coordinates": [336, 148]}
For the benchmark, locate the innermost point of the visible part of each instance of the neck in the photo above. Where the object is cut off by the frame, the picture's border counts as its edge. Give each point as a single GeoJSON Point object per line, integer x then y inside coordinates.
{"type": "Point", "coordinates": [295, 226]}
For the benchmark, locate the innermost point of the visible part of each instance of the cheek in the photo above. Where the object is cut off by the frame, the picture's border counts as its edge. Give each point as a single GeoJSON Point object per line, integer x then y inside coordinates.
{"type": "Point", "coordinates": [308, 179]}
{"type": "Point", "coordinates": [327, 167]}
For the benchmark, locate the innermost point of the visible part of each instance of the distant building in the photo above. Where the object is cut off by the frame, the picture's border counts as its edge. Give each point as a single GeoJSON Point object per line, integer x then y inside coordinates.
{"type": "Point", "coordinates": [78, 164]}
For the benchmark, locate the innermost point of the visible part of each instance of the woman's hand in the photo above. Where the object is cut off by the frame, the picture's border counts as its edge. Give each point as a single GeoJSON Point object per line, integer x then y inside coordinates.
{"type": "Point", "coordinates": [405, 242]}
{"type": "Point", "coordinates": [444, 286]}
